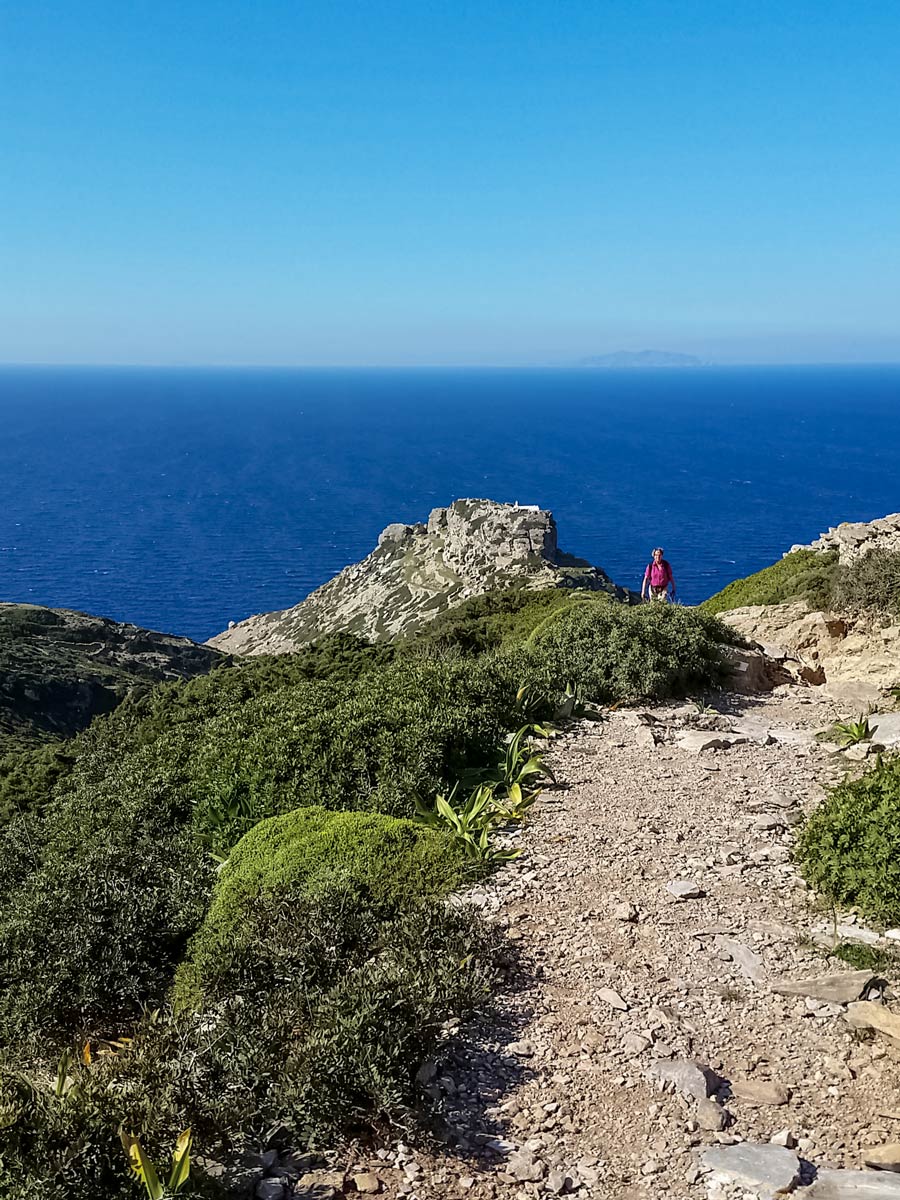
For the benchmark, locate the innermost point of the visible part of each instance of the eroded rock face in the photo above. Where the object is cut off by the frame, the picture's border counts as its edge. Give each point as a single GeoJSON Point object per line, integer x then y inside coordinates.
{"type": "Point", "coordinates": [854, 538]}
{"type": "Point", "coordinates": [417, 571]}
{"type": "Point", "coordinates": [859, 653]}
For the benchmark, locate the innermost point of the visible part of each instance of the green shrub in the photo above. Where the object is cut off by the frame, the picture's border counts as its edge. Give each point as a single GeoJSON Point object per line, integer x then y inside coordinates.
{"type": "Point", "coordinates": [378, 860]}
{"type": "Point", "coordinates": [804, 575]}
{"type": "Point", "coordinates": [870, 583]}
{"type": "Point", "coordinates": [850, 847]}
{"type": "Point", "coordinates": [613, 652]}
{"type": "Point", "coordinates": [504, 617]}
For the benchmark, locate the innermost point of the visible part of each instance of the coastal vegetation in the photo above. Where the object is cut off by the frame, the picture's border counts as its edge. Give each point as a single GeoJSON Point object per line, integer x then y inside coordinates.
{"type": "Point", "coordinates": [223, 904]}
{"type": "Point", "coordinates": [850, 847]}
{"type": "Point", "coordinates": [868, 583]}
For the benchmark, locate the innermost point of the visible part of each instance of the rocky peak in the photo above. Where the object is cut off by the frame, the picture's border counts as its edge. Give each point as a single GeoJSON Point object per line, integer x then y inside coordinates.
{"type": "Point", "coordinates": [417, 571]}
{"type": "Point", "coordinates": [851, 539]}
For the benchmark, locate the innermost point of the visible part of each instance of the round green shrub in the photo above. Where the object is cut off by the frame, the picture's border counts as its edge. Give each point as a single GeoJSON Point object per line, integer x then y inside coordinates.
{"type": "Point", "coordinates": [850, 847]}
{"type": "Point", "coordinates": [373, 863]}
{"type": "Point", "coordinates": [614, 652]}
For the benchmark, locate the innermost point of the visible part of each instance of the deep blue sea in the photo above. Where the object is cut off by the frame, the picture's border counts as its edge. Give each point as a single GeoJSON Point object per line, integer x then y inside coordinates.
{"type": "Point", "coordinates": [183, 499]}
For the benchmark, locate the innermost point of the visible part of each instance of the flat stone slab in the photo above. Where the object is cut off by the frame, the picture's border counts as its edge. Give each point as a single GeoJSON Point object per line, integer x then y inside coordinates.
{"type": "Point", "coordinates": [883, 1158]}
{"type": "Point", "coordinates": [853, 1185]}
{"type": "Point", "coordinates": [698, 740]}
{"type": "Point", "coordinates": [759, 1093]}
{"type": "Point", "coordinates": [841, 988]}
{"type": "Point", "coordinates": [689, 1078]}
{"type": "Point", "coordinates": [684, 889]}
{"type": "Point", "coordinates": [885, 728]}
{"type": "Point", "coordinates": [769, 1170]}
{"type": "Point", "coordinates": [866, 1014]}
{"type": "Point", "coordinates": [746, 960]}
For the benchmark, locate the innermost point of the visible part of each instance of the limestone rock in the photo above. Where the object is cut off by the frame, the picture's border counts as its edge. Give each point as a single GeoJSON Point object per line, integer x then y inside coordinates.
{"type": "Point", "coordinates": [854, 1185]}
{"type": "Point", "coordinates": [418, 571]}
{"type": "Point", "coordinates": [525, 1167]}
{"type": "Point", "coordinates": [684, 889]}
{"type": "Point", "coordinates": [367, 1182]}
{"type": "Point", "coordinates": [769, 1170]}
{"type": "Point", "coordinates": [689, 1078]}
{"type": "Point", "coordinates": [841, 988]}
{"type": "Point", "coordinates": [759, 1092]}
{"type": "Point", "coordinates": [883, 1158]}
{"type": "Point", "coordinates": [612, 998]}
{"type": "Point", "coordinates": [866, 1014]}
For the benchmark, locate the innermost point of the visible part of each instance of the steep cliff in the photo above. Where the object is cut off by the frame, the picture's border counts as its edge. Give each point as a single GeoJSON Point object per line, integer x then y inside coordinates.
{"type": "Point", "coordinates": [418, 571]}
{"type": "Point", "coordinates": [58, 669]}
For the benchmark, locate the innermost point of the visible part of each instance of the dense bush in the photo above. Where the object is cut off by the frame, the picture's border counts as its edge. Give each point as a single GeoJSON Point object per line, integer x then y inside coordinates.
{"type": "Point", "coordinates": [850, 847]}
{"type": "Point", "coordinates": [317, 986]}
{"type": "Point", "coordinates": [29, 773]}
{"type": "Point", "coordinates": [500, 618]}
{"type": "Point", "coordinates": [377, 863]}
{"type": "Point", "coordinates": [804, 575]}
{"type": "Point", "coordinates": [613, 652]}
{"type": "Point", "coordinates": [97, 902]}
{"type": "Point", "coordinates": [870, 583]}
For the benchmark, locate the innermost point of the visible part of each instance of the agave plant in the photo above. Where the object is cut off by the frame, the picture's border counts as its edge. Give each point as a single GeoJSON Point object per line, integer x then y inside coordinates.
{"type": "Point", "coordinates": [470, 823]}
{"type": "Point", "coordinates": [521, 767]}
{"type": "Point", "coordinates": [850, 733]}
{"type": "Point", "coordinates": [146, 1172]}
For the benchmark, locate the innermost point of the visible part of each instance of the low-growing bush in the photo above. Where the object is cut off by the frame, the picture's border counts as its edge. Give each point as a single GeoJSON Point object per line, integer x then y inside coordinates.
{"type": "Point", "coordinates": [613, 652]}
{"type": "Point", "coordinates": [850, 847]}
{"type": "Point", "coordinates": [803, 575]}
{"type": "Point", "coordinates": [377, 863]}
{"type": "Point", "coordinates": [504, 617]}
{"type": "Point", "coordinates": [870, 583]}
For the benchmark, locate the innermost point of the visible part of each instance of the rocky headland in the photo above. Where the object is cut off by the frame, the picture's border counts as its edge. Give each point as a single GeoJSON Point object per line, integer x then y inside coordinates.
{"type": "Point", "coordinates": [59, 669]}
{"type": "Point", "coordinates": [419, 571]}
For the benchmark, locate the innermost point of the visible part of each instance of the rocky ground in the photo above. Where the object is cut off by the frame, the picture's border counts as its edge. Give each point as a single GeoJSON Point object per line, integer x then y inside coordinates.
{"type": "Point", "coordinates": [652, 1040]}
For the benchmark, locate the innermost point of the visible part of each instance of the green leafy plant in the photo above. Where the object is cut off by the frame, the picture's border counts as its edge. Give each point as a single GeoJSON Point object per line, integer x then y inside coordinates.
{"type": "Point", "coordinates": [469, 822]}
{"type": "Point", "coordinates": [849, 849]}
{"type": "Point", "coordinates": [803, 575]}
{"type": "Point", "coordinates": [851, 733]}
{"type": "Point", "coordinates": [145, 1171]}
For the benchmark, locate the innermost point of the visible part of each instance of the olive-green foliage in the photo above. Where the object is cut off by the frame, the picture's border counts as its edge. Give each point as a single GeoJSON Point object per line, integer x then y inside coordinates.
{"type": "Point", "coordinates": [868, 958]}
{"type": "Point", "coordinates": [613, 652]}
{"type": "Point", "coordinates": [97, 902]}
{"type": "Point", "coordinates": [28, 772]}
{"type": "Point", "coordinates": [850, 847]}
{"type": "Point", "coordinates": [500, 618]}
{"type": "Point", "coordinates": [870, 583]}
{"type": "Point", "coordinates": [804, 575]}
{"type": "Point", "coordinates": [378, 861]}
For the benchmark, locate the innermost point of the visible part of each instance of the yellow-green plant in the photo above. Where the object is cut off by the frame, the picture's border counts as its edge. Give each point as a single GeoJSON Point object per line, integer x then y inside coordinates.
{"type": "Point", "coordinates": [850, 733]}
{"type": "Point", "coordinates": [144, 1169]}
{"type": "Point", "coordinates": [470, 823]}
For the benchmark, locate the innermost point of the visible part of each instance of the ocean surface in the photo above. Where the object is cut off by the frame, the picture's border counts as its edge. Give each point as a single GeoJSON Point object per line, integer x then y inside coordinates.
{"type": "Point", "coordinates": [184, 499]}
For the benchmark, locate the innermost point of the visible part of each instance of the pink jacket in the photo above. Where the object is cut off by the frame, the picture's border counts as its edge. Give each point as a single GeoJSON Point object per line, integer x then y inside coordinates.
{"type": "Point", "coordinates": [659, 574]}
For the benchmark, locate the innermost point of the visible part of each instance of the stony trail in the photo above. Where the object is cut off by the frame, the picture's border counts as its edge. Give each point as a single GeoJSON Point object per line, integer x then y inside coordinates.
{"type": "Point", "coordinates": [653, 914]}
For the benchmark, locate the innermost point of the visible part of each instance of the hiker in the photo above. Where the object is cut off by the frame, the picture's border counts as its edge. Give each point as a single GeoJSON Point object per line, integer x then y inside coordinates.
{"type": "Point", "coordinates": [658, 578]}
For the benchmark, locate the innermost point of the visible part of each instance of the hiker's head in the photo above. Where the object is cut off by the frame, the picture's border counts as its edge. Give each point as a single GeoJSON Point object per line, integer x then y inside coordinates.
{"type": "Point", "coordinates": [657, 554]}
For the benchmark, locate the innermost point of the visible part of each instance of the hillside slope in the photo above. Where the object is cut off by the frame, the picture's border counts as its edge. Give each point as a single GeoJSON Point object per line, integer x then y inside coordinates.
{"type": "Point", "coordinates": [59, 669]}
{"type": "Point", "coordinates": [418, 571]}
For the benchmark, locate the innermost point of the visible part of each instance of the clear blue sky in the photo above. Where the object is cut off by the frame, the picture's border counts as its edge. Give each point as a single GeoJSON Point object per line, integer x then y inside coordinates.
{"type": "Point", "coordinates": [354, 181]}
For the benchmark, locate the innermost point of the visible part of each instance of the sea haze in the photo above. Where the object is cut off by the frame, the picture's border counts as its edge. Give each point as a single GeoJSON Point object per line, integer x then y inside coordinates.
{"type": "Point", "coordinates": [183, 499]}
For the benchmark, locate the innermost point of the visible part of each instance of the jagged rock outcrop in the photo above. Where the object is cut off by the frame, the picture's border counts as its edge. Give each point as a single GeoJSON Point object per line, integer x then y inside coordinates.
{"type": "Point", "coordinates": [856, 656]}
{"type": "Point", "coordinates": [418, 571]}
{"type": "Point", "coordinates": [854, 538]}
{"type": "Point", "coordinates": [59, 669]}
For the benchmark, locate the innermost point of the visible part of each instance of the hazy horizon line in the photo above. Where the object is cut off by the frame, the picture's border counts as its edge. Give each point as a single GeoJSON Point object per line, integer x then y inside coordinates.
{"type": "Point", "coordinates": [438, 366]}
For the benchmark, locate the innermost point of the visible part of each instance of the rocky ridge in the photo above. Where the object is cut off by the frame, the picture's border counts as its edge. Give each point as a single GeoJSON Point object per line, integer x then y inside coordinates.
{"type": "Point", "coordinates": [854, 538]}
{"type": "Point", "coordinates": [671, 1027]}
{"type": "Point", "coordinates": [59, 669]}
{"type": "Point", "coordinates": [418, 571]}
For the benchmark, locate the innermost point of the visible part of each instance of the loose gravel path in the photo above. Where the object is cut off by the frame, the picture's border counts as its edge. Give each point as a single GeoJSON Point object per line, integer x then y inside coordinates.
{"type": "Point", "coordinates": [620, 984]}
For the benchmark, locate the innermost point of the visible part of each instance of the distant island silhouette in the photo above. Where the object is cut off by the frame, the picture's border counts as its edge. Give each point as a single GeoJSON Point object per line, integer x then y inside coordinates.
{"type": "Point", "coordinates": [642, 358]}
